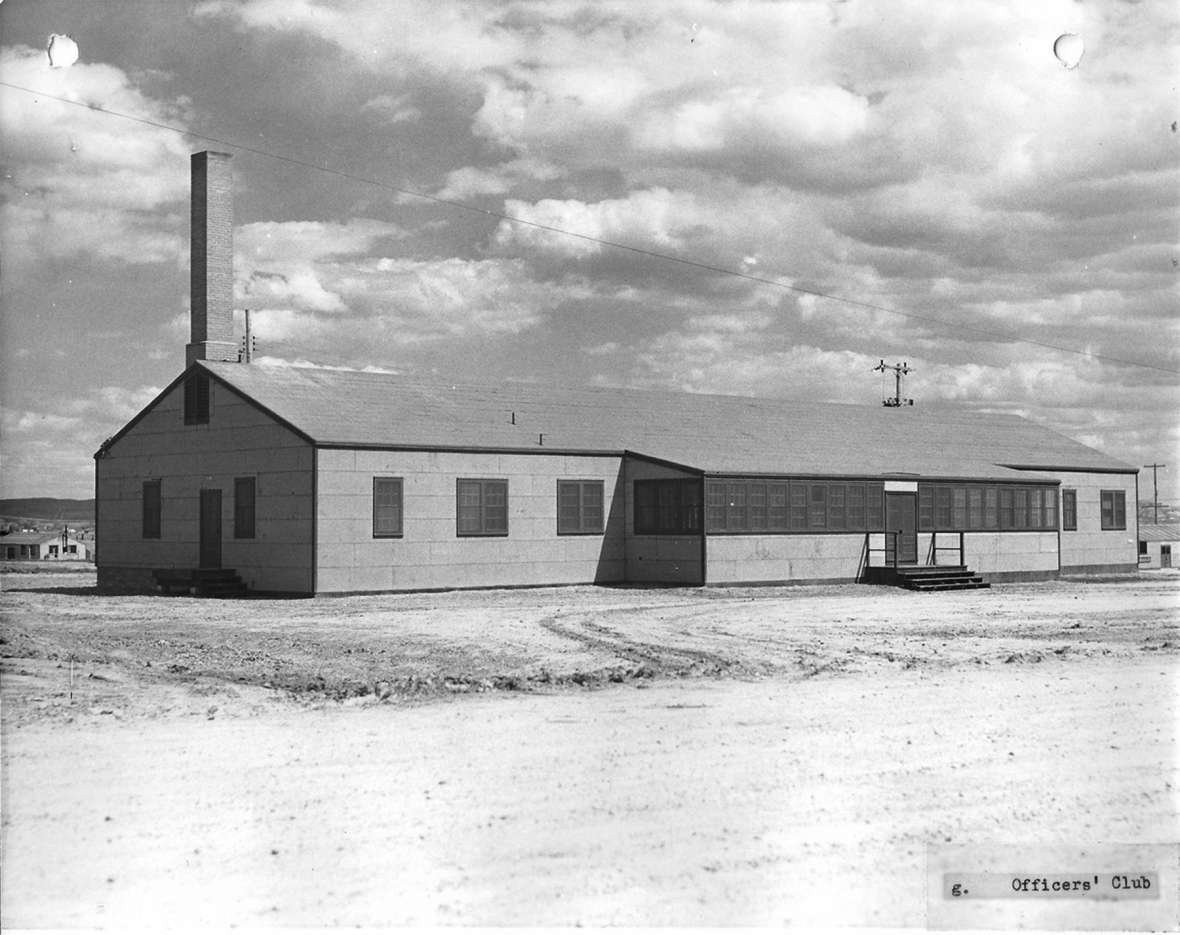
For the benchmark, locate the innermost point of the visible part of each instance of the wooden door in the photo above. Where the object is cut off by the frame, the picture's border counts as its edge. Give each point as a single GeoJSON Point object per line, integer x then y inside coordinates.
{"type": "Point", "coordinates": [1166, 555]}
{"type": "Point", "coordinates": [901, 516]}
{"type": "Point", "coordinates": [210, 528]}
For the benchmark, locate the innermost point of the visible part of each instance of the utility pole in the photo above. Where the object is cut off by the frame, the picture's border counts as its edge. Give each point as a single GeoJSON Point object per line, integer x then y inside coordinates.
{"type": "Point", "coordinates": [1155, 491]}
{"type": "Point", "coordinates": [899, 370]}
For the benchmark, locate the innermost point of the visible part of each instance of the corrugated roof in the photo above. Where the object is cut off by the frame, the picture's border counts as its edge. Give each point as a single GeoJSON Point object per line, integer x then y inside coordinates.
{"type": "Point", "coordinates": [717, 434]}
{"type": "Point", "coordinates": [1159, 532]}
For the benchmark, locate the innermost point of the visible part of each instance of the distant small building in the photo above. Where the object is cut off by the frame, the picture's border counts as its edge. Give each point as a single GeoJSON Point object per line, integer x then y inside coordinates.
{"type": "Point", "coordinates": [1157, 541]}
{"type": "Point", "coordinates": [42, 547]}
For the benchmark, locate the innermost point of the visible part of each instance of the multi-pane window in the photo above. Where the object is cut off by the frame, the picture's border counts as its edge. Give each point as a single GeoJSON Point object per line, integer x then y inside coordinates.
{"type": "Point", "coordinates": [244, 489]}
{"type": "Point", "coordinates": [947, 506]}
{"type": "Point", "coordinates": [959, 507]}
{"type": "Point", "coordinates": [856, 506]}
{"type": "Point", "coordinates": [798, 506]}
{"type": "Point", "coordinates": [942, 507]}
{"type": "Point", "coordinates": [817, 506]}
{"type": "Point", "coordinates": [668, 506]}
{"type": "Point", "coordinates": [196, 399]}
{"type": "Point", "coordinates": [836, 507]}
{"type": "Point", "coordinates": [151, 509]}
{"type": "Point", "coordinates": [1069, 509]}
{"type": "Point", "coordinates": [579, 507]}
{"type": "Point", "coordinates": [1113, 505]}
{"type": "Point", "coordinates": [991, 518]}
{"type": "Point", "coordinates": [481, 507]}
{"type": "Point", "coordinates": [1048, 508]}
{"type": "Point", "coordinates": [974, 507]}
{"type": "Point", "coordinates": [749, 505]}
{"type": "Point", "coordinates": [777, 512]}
{"type": "Point", "coordinates": [1020, 508]}
{"type": "Point", "coordinates": [756, 504]}
{"type": "Point", "coordinates": [387, 507]}
{"type": "Point", "coordinates": [1007, 514]}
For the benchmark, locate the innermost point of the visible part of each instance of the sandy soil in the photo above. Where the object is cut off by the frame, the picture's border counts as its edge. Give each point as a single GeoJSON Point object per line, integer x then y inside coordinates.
{"type": "Point", "coordinates": [565, 756]}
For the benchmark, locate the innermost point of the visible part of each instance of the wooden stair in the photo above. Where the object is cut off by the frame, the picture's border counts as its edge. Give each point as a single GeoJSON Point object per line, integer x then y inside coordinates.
{"type": "Point", "coordinates": [927, 577]}
{"type": "Point", "coordinates": [199, 582]}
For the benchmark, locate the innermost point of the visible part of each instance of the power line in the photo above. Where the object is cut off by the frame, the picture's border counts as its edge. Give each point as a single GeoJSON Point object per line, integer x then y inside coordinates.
{"type": "Point", "coordinates": [641, 251]}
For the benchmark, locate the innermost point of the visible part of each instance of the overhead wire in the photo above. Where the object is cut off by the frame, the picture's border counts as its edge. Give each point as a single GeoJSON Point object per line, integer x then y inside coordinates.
{"type": "Point", "coordinates": [615, 245]}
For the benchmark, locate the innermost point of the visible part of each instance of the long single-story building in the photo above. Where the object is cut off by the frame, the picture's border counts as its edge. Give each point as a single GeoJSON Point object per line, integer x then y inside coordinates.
{"type": "Point", "coordinates": [324, 481]}
{"type": "Point", "coordinates": [42, 546]}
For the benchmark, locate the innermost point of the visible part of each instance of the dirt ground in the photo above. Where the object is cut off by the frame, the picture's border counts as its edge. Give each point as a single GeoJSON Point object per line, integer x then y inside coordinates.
{"type": "Point", "coordinates": [566, 756]}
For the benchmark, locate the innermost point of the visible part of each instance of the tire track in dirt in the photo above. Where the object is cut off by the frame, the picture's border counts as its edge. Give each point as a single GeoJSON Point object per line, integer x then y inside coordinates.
{"type": "Point", "coordinates": [587, 630]}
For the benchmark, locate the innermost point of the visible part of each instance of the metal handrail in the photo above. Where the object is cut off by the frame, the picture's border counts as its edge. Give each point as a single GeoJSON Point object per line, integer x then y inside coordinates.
{"type": "Point", "coordinates": [884, 549]}
{"type": "Point", "coordinates": [935, 548]}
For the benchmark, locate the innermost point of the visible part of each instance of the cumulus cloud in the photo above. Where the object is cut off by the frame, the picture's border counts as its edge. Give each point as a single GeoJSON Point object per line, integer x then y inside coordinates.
{"type": "Point", "coordinates": [313, 284]}
{"type": "Point", "coordinates": [49, 450]}
{"type": "Point", "coordinates": [80, 182]}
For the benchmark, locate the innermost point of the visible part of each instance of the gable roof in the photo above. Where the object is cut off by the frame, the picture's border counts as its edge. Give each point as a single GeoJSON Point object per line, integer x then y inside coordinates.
{"type": "Point", "coordinates": [1159, 532]}
{"type": "Point", "coordinates": [32, 538]}
{"type": "Point", "coordinates": [714, 434]}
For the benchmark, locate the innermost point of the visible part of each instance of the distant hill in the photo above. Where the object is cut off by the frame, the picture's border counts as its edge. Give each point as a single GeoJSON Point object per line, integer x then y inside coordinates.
{"type": "Point", "coordinates": [77, 511]}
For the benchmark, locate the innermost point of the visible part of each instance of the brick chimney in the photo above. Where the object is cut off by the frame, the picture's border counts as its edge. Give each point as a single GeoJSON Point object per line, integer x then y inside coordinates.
{"type": "Point", "coordinates": [211, 289]}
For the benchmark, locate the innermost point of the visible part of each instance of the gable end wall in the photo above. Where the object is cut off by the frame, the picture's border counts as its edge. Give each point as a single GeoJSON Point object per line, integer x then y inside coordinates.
{"type": "Point", "coordinates": [239, 440]}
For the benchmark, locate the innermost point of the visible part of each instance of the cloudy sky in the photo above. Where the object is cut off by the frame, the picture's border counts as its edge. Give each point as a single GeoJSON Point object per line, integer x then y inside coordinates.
{"type": "Point", "coordinates": [1007, 225]}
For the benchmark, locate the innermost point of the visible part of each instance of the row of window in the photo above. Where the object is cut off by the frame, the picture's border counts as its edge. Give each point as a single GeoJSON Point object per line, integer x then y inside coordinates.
{"type": "Point", "coordinates": [973, 508]}
{"type": "Point", "coordinates": [786, 506]}
{"type": "Point", "coordinates": [672, 506]}
{"type": "Point", "coordinates": [481, 507]}
{"type": "Point", "coordinates": [244, 498]}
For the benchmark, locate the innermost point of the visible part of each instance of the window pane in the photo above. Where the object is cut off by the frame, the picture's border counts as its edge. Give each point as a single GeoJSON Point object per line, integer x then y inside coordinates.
{"type": "Point", "coordinates": [1007, 514]}
{"type": "Point", "coordinates": [668, 507]}
{"type": "Point", "coordinates": [569, 507]}
{"type": "Point", "coordinates": [1020, 508]}
{"type": "Point", "coordinates": [1034, 508]}
{"type": "Point", "coordinates": [716, 505]}
{"type": "Point", "coordinates": [645, 506]}
{"type": "Point", "coordinates": [942, 507]}
{"type": "Point", "coordinates": [925, 507]}
{"type": "Point", "coordinates": [244, 508]}
{"type": "Point", "coordinates": [835, 506]}
{"type": "Point", "coordinates": [495, 506]}
{"type": "Point", "coordinates": [875, 495]}
{"type": "Point", "coordinates": [592, 510]}
{"type": "Point", "coordinates": [856, 506]}
{"type": "Point", "coordinates": [974, 508]}
{"type": "Point", "coordinates": [666, 500]}
{"type": "Point", "coordinates": [959, 507]}
{"type": "Point", "coordinates": [990, 511]}
{"type": "Point", "coordinates": [689, 504]}
{"type": "Point", "coordinates": [735, 513]}
{"type": "Point", "coordinates": [151, 509]}
{"type": "Point", "coordinates": [1049, 507]}
{"type": "Point", "coordinates": [1069, 509]}
{"type": "Point", "coordinates": [756, 505]}
{"type": "Point", "coordinates": [470, 519]}
{"type": "Point", "coordinates": [777, 511]}
{"type": "Point", "coordinates": [817, 512]}
{"type": "Point", "coordinates": [798, 506]}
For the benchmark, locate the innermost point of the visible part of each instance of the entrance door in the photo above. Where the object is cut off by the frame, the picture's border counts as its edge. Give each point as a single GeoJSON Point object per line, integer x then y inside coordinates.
{"type": "Point", "coordinates": [901, 515]}
{"type": "Point", "coordinates": [1166, 555]}
{"type": "Point", "coordinates": [210, 528]}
